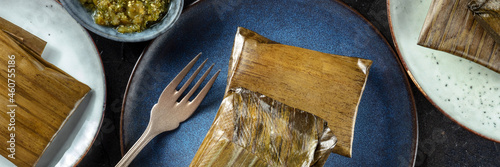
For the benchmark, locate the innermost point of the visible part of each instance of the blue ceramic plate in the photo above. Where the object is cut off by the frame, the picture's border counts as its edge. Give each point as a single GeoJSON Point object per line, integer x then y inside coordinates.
{"type": "Point", "coordinates": [386, 125]}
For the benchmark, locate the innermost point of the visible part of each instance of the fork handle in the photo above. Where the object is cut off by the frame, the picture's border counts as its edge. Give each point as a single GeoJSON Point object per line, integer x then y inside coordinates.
{"type": "Point", "coordinates": [145, 138]}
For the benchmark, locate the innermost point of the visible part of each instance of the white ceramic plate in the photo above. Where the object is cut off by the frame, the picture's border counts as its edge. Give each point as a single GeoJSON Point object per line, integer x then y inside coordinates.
{"type": "Point", "coordinates": [70, 48]}
{"type": "Point", "coordinates": [466, 92]}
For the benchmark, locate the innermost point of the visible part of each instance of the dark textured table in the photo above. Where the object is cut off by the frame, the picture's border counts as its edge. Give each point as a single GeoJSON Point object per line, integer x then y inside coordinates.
{"type": "Point", "coordinates": [441, 141]}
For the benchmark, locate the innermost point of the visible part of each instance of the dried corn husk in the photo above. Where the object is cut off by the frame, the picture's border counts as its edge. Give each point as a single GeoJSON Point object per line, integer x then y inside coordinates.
{"type": "Point", "coordinates": [328, 87]}
{"type": "Point", "coordinates": [44, 98]}
{"type": "Point", "coordinates": [450, 26]}
{"type": "Point", "coordinates": [28, 41]}
{"type": "Point", "coordinates": [251, 129]}
{"type": "Point", "coordinates": [487, 13]}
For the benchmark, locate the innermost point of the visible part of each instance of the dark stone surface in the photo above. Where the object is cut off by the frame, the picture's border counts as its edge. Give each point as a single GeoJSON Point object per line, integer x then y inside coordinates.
{"type": "Point", "coordinates": [442, 142]}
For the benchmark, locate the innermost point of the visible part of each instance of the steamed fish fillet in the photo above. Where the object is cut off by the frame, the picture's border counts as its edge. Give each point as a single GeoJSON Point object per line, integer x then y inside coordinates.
{"type": "Point", "coordinates": [251, 129]}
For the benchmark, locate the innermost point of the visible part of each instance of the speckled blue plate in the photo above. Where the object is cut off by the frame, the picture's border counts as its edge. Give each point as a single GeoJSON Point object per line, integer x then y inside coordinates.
{"type": "Point", "coordinates": [386, 125]}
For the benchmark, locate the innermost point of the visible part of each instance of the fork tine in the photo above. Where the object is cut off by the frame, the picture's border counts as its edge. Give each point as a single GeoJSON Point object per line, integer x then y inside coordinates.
{"type": "Point", "coordinates": [198, 83]}
{"type": "Point", "coordinates": [178, 93]}
{"type": "Point", "coordinates": [197, 100]}
{"type": "Point", "coordinates": [173, 84]}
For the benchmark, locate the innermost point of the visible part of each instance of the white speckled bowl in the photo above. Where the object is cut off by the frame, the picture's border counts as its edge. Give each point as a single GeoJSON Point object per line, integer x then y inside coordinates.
{"type": "Point", "coordinates": [84, 17]}
{"type": "Point", "coordinates": [466, 92]}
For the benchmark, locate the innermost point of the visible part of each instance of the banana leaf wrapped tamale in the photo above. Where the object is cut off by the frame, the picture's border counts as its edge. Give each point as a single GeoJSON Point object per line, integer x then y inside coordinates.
{"type": "Point", "coordinates": [264, 132]}
{"type": "Point", "coordinates": [450, 27]}
{"type": "Point", "coordinates": [28, 41]}
{"type": "Point", "coordinates": [38, 97]}
{"type": "Point", "coordinates": [284, 106]}
{"type": "Point", "coordinates": [487, 13]}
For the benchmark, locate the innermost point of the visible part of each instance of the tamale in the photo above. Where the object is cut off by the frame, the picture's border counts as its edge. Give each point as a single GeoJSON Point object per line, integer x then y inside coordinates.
{"type": "Point", "coordinates": [487, 13]}
{"type": "Point", "coordinates": [250, 129]}
{"type": "Point", "coordinates": [28, 41]}
{"type": "Point", "coordinates": [450, 27]}
{"type": "Point", "coordinates": [38, 98]}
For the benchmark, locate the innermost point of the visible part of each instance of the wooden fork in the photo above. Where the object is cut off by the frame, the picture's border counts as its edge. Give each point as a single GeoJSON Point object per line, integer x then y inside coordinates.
{"type": "Point", "coordinates": [167, 113]}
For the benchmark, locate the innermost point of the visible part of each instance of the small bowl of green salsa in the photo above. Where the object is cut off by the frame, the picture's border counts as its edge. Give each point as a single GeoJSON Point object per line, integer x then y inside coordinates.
{"type": "Point", "coordinates": [125, 20]}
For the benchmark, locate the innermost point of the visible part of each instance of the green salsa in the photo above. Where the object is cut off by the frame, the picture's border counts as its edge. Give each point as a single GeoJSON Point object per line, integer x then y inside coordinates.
{"type": "Point", "coordinates": [127, 15]}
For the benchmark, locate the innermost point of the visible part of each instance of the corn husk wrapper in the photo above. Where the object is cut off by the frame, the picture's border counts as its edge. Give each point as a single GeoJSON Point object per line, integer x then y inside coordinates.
{"type": "Point", "coordinates": [44, 98]}
{"type": "Point", "coordinates": [277, 102]}
{"type": "Point", "coordinates": [254, 130]}
{"type": "Point", "coordinates": [487, 14]}
{"type": "Point", "coordinates": [450, 27]}
{"type": "Point", "coordinates": [26, 40]}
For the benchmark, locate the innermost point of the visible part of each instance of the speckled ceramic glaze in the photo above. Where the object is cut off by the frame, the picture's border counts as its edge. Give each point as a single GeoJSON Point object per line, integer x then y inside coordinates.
{"type": "Point", "coordinates": [70, 48]}
{"type": "Point", "coordinates": [84, 17]}
{"type": "Point", "coordinates": [386, 127]}
{"type": "Point", "coordinates": [465, 91]}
